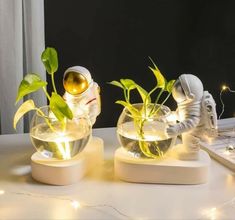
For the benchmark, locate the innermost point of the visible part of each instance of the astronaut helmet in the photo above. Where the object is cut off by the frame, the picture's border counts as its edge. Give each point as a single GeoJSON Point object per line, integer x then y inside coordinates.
{"type": "Point", "coordinates": [188, 88]}
{"type": "Point", "coordinates": [77, 80]}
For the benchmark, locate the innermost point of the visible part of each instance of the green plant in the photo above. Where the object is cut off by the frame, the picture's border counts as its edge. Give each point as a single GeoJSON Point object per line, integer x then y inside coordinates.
{"type": "Point", "coordinates": [32, 83]}
{"type": "Point", "coordinates": [149, 108]}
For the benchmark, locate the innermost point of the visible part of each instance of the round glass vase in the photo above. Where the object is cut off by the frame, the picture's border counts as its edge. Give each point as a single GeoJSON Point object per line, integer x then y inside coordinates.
{"type": "Point", "coordinates": [144, 135]}
{"type": "Point", "coordinates": [59, 140]}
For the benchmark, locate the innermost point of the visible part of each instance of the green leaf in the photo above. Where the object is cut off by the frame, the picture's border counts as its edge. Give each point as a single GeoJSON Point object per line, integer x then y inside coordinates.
{"type": "Point", "coordinates": [134, 112]}
{"type": "Point", "coordinates": [160, 78]}
{"type": "Point", "coordinates": [23, 109]}
{"type": "Point", "coordinates": [161, 82]}
{"type": "Point", "coordinates": [31, 83]}
{"type": "Point", "coordinates": [116, 83]}
{"type": "Point", "coordinates": [128, 84]}
{"type": "Point", "coordinates": [155, 66]}
{"type": "Point", "coordinates": [60, 108]}
{"type": "Point", "coordinates": [50, 59]}
{"type": "Point", "coordinates": [170, 85]}
{"type": "Point", "coordinates": [144, 94]}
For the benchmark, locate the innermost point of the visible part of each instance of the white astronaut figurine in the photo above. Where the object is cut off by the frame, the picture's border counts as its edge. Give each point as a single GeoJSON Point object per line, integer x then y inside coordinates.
{"type": "Point", "coordinates": [196, 114]}
{"type": "Point", "coordinates": [82, 93]}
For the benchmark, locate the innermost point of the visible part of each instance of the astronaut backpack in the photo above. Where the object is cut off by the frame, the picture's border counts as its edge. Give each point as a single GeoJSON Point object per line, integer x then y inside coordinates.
{"type": "Point", "coordinates": [208, 106]}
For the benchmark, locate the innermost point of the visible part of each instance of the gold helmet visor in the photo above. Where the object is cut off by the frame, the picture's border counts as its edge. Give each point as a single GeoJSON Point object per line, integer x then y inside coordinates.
{"type": "Point", "coordinates": [75, 83]}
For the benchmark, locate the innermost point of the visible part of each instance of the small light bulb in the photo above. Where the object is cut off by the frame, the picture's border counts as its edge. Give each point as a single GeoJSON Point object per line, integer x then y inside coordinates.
{"type": "Point", "coordinates": [213, 209]}
{"type": "Point", "coordinates": [213, 213]}
{"type": "Point", "coordinates": [2, 192]}
{"type": "Point", "coordinates": [227, 152]}
{"type": "Point", "coordinates": [224, 87]}
{"type": "Point", "coordinates": [75, 204]}
{"type": "Point", "coordinates": [172, 117]}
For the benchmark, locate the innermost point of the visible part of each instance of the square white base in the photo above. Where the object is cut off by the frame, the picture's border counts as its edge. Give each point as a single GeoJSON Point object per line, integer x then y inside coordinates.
{"type": "Point", "coordinates": [66, 172]}
{"type": "Point", "coordinates": [167, 171]}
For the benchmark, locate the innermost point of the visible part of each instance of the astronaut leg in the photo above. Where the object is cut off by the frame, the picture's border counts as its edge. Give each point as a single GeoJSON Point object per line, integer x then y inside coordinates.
{"type": "Point", "coordinates": [94, 111]}
{"type": "Point", "coordinates": [190, 147]}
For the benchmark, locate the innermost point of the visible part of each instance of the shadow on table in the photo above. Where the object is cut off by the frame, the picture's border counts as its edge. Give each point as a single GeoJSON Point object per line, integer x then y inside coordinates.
{"type": "Point", "coordinates": [15, 167]}
{"type": "Point", "coordinates": [104, 172]}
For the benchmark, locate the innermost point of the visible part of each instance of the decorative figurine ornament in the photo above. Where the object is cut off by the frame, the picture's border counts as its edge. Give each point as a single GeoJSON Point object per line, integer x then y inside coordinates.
{"type": "Point", "coordinates": [150, 150]}
{"type": "Point", "coordinates": [61, 131]}
{"type": "Point", "coordinates": [82, 93]}
{"type": "Point", "coordinates": [196, 114]}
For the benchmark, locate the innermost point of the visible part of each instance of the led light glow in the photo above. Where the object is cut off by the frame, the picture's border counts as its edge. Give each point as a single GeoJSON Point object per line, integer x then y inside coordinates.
{"type": "Point", "coordinates": [172, 117]}
{"type": "Point", "coordinates": [227, 153]}
{"type": "Point", "coordinates": [75, 204]}
{"type": "Point", "coordinates": [210, 140]}
{"type": "Point", "coordinates": [224, 87]}
{"type": "Point", "coordinates": [229, 150]}
{"type": "Point", "coordinates": [64, 150]}
{"type": "Point", "coordinates": [211, 214]}
{"type": "Point", "coordinates": [2, 192]}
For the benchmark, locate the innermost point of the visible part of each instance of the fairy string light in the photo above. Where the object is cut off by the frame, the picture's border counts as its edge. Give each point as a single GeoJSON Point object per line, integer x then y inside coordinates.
{"type": "Point", "coordinates": [212, 213]}
{"type": "Point", "coordinates": [224, 88]}
{"type": "Point", "coordinates": [218, 212]}
{"type": "Point", "coordinates": [73, 202]}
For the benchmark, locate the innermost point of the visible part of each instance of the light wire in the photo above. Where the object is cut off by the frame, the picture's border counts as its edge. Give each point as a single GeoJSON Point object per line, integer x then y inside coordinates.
{"type": "Point", "coordinates": [224, 88]}
{"type": "Point", "coordinates": [74, 200]}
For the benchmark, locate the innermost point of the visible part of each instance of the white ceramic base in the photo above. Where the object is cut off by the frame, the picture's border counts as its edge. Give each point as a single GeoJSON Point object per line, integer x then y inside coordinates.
{"type": "Point", "coordinates": [66, 172]}
{"type": "Point", "coordinates": [167, 171]}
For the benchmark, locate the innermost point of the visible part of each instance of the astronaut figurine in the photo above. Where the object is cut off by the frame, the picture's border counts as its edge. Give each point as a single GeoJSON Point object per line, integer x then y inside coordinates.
{"type": "Point", "coordinates": [82, 93]}
{"type": "Point", "coordinates": [196, 114]}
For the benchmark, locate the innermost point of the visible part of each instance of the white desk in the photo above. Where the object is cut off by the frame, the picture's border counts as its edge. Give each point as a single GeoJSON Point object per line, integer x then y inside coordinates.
{"type": "Point", "coordinates": [25, 198]}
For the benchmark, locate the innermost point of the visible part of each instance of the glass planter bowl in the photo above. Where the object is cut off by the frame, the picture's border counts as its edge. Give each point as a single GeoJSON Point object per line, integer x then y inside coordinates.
{"type": "Point", "coordinates": [145, 136]}
{"type": "Point", "coordinates": [56, 140]}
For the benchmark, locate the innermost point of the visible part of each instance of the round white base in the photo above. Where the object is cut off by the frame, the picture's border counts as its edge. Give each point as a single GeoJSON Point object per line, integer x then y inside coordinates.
{"type": "Point", "coordinates": [66, 172]}
{"type": "Point", "coordinates": [167, 171]}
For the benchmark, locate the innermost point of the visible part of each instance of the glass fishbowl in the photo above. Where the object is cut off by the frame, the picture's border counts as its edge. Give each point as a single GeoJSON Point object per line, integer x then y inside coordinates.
{"type": "Point", "coordinates": [54, 139]}
{"type": "Point", "coordinates": [145, 135]}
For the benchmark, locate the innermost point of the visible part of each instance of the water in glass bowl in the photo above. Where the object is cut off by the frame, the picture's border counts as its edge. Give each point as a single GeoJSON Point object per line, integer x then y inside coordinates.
{"type": "Point", "coordinates": [60, 144]}
{"type": "Point", "coordinates": [153, 137]}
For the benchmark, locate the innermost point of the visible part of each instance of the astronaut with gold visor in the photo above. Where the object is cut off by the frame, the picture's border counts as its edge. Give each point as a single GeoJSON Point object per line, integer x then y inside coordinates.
{"type": "Point", "coordinates": [82, 94]}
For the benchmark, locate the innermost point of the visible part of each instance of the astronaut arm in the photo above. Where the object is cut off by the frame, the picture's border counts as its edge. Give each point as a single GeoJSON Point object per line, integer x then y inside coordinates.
{"type": "Point", "coordinates": [184, 126]}
{"type": "Point", "coordinates": [173, 117]}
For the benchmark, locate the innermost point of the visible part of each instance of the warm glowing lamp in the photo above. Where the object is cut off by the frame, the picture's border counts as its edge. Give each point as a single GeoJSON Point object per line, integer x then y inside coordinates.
{"type": "Point", "coordinates": [61, 132]}
{"type": "Point", "coordinates": [68, 157]}
{"type": "Point", "coordinates": [153, 154]}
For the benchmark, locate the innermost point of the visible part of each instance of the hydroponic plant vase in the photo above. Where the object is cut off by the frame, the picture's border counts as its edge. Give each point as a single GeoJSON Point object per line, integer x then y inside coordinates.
{"type": "Point", "coordinates": [59, 140]}
{"type": "Point", "coordinates": [145, 136]}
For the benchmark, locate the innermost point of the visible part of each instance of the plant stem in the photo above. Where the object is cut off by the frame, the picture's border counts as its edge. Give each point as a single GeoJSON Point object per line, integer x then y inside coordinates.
{"type": "Point", "coordinates": [128, 95]}
{"type": "Point", "coordinates": [162, 103]}
{"type": "Point", "coordinates": [156, 101]}
{"type": "Point", "coordinates": [47, 121]}
{"type": "Point", "coordinates": [125, 95]}
{"type": "Point", "coordinates": [64, 124]}
{"type": "Point", "coordinates": [150, 93]}
{"type": "Point", "coordinates": [142, 143]}
{"type": "Point", "coordinates": [53, 82]}
{"type": "Point", "coordinates": [145, 101]}
{"type": "Point", "coordinates": [166, 99]}
{"type": "Point", "coordinates": [47, 95]}
{"type": "Point", "coordinates": [158, 97]}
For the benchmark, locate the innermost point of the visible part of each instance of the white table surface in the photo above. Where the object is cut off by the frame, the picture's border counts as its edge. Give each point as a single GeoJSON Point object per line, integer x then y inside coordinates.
{"type": "Point", "coordinates": [101, 195]}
